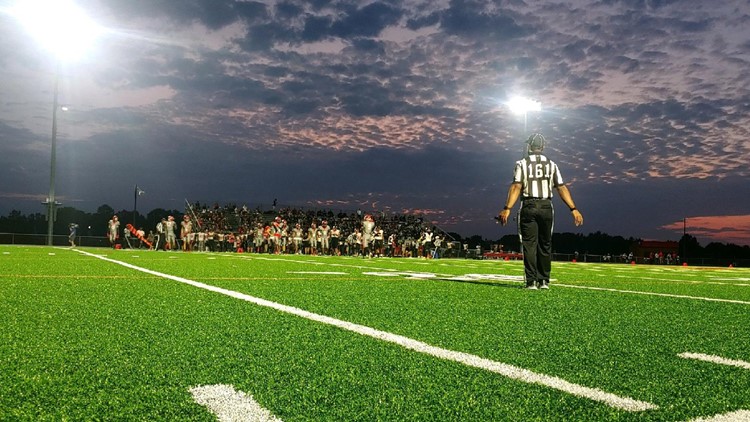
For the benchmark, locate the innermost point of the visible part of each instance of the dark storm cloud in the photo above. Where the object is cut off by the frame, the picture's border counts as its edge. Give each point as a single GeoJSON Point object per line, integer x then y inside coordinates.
{"type": "Point", "coordinates": [316, 28]}
{"type": "Point", "coordinates": [402, 101]}
{"type": "Point", "coordinates": [345, 22]}
{"type": "Point", "coordinates": [367, 21]}
{"type": "Point", "coordinates": [469, 18]}
{"type": "Point", "coordinates": [643, 4]}
{"type": "Point", "coordinates": [22, 153]}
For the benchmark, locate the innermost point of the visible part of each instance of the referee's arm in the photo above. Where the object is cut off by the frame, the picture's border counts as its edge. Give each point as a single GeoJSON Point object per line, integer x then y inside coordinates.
{"type": "Point", "coordinates": [513, 193]}
{"type": "Point", "coordinates": [565, 196]}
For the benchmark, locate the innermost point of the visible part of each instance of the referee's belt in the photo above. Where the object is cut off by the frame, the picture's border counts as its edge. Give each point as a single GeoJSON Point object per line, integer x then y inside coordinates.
{"type": "Point", "coordinates": [529, 199]}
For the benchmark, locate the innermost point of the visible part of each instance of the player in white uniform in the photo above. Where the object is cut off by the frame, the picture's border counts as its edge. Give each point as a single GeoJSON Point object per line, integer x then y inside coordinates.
{"type": "Point", "coordinates": [186, 233]}
{"type": "Point", "coordinates": [297, 238]}
{"type": "Point", "coordinates": [312, 237]}
{"type": "Point", "coordinates": [325, 234]}
{"type": "Point", "coordinates": [169, 227]}
{"type": "Point", "coordinates": [113, 227]}
{"type": "Point", "coordinates": [368, 227]}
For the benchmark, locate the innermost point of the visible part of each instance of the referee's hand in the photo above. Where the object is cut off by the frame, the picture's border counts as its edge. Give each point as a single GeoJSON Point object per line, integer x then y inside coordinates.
{"type": "Point", "coordinates": [503, 216]}
{"type": "Point", "coordinates": [577, 217]}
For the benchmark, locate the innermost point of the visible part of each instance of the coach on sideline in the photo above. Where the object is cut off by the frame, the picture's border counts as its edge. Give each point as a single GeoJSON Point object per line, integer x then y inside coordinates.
{"type": "Point", "coordinates": [533, 179]}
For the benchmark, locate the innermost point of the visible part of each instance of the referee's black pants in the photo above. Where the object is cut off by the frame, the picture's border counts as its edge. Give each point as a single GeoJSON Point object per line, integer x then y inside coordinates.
{"type": "Point", "coordinates": [535, 224]}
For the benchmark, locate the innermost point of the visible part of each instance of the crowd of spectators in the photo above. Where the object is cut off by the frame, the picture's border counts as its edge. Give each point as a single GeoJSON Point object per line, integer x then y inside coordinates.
{"type": "Point", "coordinates": [224, 228]}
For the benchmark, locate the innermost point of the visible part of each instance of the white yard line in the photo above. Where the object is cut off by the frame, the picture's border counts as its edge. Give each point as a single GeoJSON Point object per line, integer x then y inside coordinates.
{"type": "Point", "coordinates": [509, 371]}
{"type": "Point", "coordinates": [683, 281]}
{"type": "Point", "coordinates": [230, 405]}
{"type": "Point", "coordinates": [500, 277]}
{"type": "Point", "coordinates": [317, 272]}
{"type": "Point", "coordinates": [715, 359]}
{"type": "Point", "coordinates": [605, 289]}
{"type": "Point", "coordinates": [738, 416]}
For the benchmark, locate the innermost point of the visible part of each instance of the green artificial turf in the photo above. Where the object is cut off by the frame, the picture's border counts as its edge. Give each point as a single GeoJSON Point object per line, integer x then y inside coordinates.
{"type": "Point", "coordinates": [87, 339]}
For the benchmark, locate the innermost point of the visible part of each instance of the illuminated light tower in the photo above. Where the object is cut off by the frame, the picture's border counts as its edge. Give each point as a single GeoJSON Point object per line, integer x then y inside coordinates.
{"type": "Point", "coordinates": [63, 29]}
{"type": "Point", "coordinates": [522, 106]}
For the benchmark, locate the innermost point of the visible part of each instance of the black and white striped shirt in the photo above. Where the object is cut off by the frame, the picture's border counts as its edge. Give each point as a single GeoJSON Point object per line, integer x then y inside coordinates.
{"type": "Point", "coordinates": [538, 175]}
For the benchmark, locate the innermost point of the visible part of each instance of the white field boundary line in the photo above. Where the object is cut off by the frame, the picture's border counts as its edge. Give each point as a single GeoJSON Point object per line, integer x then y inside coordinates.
{"type": "Point", "coordinates": [509, 371]}
{"type": "Point", "coordinates": [318, 272]}
{"type": "Point", "coordinates": [684, 281]}
{"type": "Point", "coordinates": [738, 416]}
{"type": "Point", "coordinates": [606, 289]}
{"type": "Point", "coordinates": [715, 359]}
{"type": "Point", "coordinates": [516, 279]}
{"type": "Point", "coordinates": [230, 405]}
{"type": "Point", "coordinates": [417, 275]}
{"type": "Point", "coordinates": [414, 274]}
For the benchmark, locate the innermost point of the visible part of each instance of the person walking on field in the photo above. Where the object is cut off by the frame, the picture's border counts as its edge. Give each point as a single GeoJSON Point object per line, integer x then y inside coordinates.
{"type": "Point", "coordinates": [113, 231]}
{"type": "Point", "coordinates": [534, 178]}
{"type": "Point", "coordinates": [73, 228]}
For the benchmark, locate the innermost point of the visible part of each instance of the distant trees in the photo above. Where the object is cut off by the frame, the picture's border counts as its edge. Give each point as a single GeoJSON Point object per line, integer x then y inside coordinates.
{"type": "Point", "coordinates": [89, 224]}
{"type": "Point", "coordinates": [602, 244]}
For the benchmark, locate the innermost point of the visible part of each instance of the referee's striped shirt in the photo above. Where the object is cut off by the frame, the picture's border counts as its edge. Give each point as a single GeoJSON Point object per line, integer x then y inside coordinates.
{"type": "Point", "coordinates": [538, 175]}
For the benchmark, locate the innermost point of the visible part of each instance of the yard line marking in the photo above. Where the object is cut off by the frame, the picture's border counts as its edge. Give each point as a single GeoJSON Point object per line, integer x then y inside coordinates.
{"type": "Point", "coordinates": [605, 289]}
{"type": "Point", "coordinates": [317, 272]}
{"type": "Point", "coordinates": [738, 416]}
{"type": "Point", "coordinates": [229, 404]}
{"type": "Point", "coordinates": [715, 359]}
{"type": "Point", "coordinates": [416, 275]}
{"type": "Point", "coordinates": [504, 369]}
{"type": "Point", "coordinates": [682, 280]}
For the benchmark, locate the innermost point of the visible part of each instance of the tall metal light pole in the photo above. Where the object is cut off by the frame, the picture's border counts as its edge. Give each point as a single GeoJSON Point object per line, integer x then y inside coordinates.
{"type": "Point", "coordinates": [51, 201]}
{"type": "Point", "coordinates": [138, 192]}
{"type": "Point", "coordinates": [65, 30]}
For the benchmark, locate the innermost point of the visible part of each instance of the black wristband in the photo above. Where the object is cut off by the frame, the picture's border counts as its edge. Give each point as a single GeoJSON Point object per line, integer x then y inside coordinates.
{"type": "Point", "coordinates": [505, 208]}
{"type": "Point", "coordinates": [573, 209]}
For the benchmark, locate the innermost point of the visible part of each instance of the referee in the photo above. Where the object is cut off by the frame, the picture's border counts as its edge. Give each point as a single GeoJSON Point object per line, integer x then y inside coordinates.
{"type": "Point", "coordinates": [534, 177]}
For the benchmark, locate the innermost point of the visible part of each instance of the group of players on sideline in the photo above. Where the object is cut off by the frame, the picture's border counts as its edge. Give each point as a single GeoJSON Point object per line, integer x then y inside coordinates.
{"type": "Point", "coordinates": [292, 231]}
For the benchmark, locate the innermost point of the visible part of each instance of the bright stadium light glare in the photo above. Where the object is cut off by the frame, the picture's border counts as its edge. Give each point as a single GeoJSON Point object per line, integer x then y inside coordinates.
{"type": "Point", "coordinates": [522, 105]}
{"type": "Point", "coordinates": [58, 25]}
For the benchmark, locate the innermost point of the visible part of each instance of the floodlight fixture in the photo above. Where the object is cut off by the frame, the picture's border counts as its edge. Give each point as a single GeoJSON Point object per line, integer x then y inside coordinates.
{"type": "Point", "coordinates": [522, 106]}
{"type": "Point", "coordinates": [60, 26]}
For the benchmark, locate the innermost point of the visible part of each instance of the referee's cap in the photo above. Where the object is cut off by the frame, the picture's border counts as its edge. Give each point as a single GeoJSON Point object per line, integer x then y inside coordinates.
{"type": "Point", "coordinates": [536, 142]}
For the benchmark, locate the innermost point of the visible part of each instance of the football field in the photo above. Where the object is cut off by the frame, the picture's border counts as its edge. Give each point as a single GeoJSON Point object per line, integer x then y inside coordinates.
{"type": "Point", "coordinates": [99, 334]}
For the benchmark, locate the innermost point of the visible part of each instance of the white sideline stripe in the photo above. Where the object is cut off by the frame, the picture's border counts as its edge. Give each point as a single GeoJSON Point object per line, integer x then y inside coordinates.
{"type": "Point", "coordinates": [317, 272]}
{"type": "Point", "coordinates": [231, 405]}
{"type": "Point", "coordinates": [738, 416]}
{"type": "Point", "coordinates": [605, 289]}
{"type": "Point", "coordinates": [715, 359]}
{"type": "Point", "coordinates": [510, 371]}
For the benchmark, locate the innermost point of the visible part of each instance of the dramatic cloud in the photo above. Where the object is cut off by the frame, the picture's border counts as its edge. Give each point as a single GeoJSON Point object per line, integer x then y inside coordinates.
{"type": "Point", "coordinates": [394, 106]}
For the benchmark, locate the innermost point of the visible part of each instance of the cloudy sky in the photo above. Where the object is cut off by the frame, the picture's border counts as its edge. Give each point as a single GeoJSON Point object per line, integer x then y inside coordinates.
{"type": "Point", "coordinates": [394, 106]}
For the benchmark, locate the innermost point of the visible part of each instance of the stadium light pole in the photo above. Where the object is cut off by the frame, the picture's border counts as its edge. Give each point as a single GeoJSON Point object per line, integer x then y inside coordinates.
{"type": "Point", "coordinates": [51, 202]}
{"type": "Point", "coordinates": [66, 31]}
{"type": "Point", "coordinates": [138, 192]}
{"type": "Point", "coordinates": [522, 106]}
